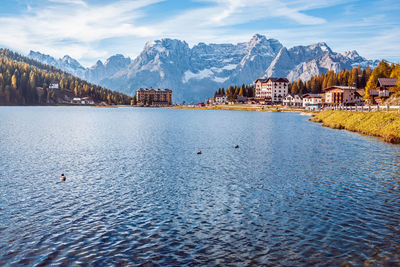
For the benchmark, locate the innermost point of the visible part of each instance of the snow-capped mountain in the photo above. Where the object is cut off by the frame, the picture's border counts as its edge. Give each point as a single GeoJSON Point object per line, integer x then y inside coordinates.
{"type": "Point", "coordinates": [66, 63]}
{"type": "Point", "coordinates": [98, 72]}
{"type": "Point", "coordinates": [306, 61]}
{"type": "Point", "coordinates": [195, 73]}
{"type": "Point", "coordinates": [94, 74]}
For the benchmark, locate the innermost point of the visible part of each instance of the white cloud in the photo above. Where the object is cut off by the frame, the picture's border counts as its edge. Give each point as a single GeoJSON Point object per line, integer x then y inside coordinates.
{"type": "Point", "coordinates": [217, 22]}
{"type": "Point", "coordinates": [73, 2]}
{"type": "Point", "coordinates": [73, 27]}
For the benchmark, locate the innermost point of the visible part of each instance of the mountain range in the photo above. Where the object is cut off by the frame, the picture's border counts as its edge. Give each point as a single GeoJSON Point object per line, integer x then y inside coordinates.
{"type": "Point", "coordinates": [195, 73]}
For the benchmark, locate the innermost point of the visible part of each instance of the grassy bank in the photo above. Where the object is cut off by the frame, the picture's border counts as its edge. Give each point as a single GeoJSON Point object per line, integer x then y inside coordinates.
{"type": "Point", "coordinates": [381, 124]}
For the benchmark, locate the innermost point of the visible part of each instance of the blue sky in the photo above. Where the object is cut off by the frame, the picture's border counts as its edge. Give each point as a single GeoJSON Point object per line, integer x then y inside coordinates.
{"type": "Point", "coordinates": [89, 30]}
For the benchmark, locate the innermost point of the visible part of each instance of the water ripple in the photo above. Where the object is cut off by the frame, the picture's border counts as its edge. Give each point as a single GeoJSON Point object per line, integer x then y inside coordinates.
{"type": "Point", "coordinates": [293, 194]}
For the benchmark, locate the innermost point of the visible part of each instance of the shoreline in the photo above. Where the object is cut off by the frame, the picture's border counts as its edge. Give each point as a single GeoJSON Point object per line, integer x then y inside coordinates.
{"type": "Point", "coordinates": [240, 108]}
{"type": "Point", "coordinates": [385, 125]}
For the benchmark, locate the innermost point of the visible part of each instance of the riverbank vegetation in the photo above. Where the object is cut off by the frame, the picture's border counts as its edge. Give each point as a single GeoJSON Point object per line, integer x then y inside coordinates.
{"type": "Point", "coordinates": [23, 80]}
{"type": "Point", "coordinates": [381, 124]}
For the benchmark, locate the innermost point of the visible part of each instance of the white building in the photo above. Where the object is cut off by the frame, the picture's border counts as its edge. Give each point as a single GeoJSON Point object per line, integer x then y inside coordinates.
{"type": "Point", "coordinates": [221, 99]}
{"type": "Point", "coordinates": [87, 101]}
{"type": "Point", "coordinates": [293, 100]}
{"type": "Point", "coordinates": [271, 90]}
{"type": "Point", "coordinates": [312, 101]}
{"type": "Point", "coordinates": [76, 100]}
{"type": "Point", "coordinates": [54, 86]}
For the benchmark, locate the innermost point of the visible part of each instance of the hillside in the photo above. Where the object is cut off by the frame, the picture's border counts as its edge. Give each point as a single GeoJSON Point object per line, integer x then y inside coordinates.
{"type": "Point", "coordinates": [24, 81]}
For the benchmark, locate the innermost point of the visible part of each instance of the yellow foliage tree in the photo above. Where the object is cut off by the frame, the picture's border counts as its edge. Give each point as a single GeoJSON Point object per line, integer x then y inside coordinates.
{"type": "Point", "coordinates": [381, 71]}
{"type": "Point", "coordinates": [396, 74]}
{"type": "Point", "coordinates": [14, 81]}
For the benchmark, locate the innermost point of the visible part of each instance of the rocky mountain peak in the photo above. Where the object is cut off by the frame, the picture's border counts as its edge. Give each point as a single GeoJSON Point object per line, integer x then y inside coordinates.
{"type": "Point", "coordinates": [72, 62]}
{"type": "Point", "coordinates": [351, 54]}
{"type": "Point", "coordinates": [97, 65]}
{"type": "Point", "coordinates": [117, 60]}
{"type": "Point", "coordinates": [257, 38]}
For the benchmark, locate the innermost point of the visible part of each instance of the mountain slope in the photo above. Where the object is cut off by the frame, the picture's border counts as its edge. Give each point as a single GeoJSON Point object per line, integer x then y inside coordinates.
{"type": "Point", "coordinates": [66, 63]}
{"type": "Point", "coordinates": [100, 71]}
{"type": "Point", "coordinates": [306, 61]}
{"type": "Point", "coordinates": [26, 81]}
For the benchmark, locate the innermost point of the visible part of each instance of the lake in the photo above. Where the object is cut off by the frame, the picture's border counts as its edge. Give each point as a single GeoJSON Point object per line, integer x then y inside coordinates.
{"type": "Point", "coordinates": [293, 193]}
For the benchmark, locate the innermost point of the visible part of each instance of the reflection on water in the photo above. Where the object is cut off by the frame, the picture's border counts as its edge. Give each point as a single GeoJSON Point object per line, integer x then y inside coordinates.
{"type": "Point", "coordinates": [294, 193]}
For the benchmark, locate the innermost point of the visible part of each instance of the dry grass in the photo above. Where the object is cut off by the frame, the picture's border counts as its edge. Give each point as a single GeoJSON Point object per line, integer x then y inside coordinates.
{"type": "Point", "coordinates": [382, 124]}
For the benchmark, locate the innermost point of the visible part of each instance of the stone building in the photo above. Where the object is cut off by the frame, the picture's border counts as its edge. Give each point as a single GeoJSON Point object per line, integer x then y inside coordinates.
{"type": "Point", "coordinates": [154, 97]}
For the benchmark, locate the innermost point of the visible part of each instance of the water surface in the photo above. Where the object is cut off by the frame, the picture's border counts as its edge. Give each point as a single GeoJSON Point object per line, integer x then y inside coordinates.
{"type": "Point", "coordinates": [294, 193]}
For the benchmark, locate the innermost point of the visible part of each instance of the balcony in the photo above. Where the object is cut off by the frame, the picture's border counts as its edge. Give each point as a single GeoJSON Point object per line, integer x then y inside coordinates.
{"type": "Point", "coordinates": [373, 92]}
{"type": "Point", "coordinates": [384, 93]}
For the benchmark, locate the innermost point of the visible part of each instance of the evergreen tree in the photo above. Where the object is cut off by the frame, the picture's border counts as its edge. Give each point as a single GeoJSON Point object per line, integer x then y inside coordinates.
{"type": "Point", "coordinates": [241, 92]}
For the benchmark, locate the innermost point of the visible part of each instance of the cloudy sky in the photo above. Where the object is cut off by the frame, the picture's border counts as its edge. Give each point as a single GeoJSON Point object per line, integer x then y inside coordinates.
{"type": "Point", "coordinates": [89, 30]}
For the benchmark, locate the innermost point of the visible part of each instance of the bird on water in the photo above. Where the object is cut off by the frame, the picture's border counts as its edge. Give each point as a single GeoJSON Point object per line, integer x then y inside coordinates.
{"type": "Point", "coordinates": [199, 153]}
{"type": "Point", "coordinates": [63, 178]}
{"type": "Point", "coordinates": [237, 146]}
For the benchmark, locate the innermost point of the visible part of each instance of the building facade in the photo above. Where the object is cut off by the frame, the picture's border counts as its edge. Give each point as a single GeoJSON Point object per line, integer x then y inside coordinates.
{"type": "Point", "coordinates": [312, 101]}
{"type": "Point", "coordinates": [342, 95]}
{"type": "Point", "coordinates": [154, 97]}
{"type": "Point", "coordinates": [271, 90]}
{"type": "Point", "coordinates": [221, 99]}
{"type": "Point", "coordinates": [292, 100]}
{"type": "Point", "coordinates": [210, 101]}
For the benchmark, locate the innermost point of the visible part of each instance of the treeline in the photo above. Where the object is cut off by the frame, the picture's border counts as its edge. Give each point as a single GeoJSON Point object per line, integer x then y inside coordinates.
{"type": "Point", "coordinates": [234, 91]}
{"type": "Point", "coordinates": [355, 77]}
{"type": "Point", "coordinates": [20, 78]}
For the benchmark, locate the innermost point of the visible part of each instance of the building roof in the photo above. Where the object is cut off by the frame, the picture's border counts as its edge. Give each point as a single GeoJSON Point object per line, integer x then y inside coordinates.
{"type": "Point", "coordinates": [339, 87]}
{"type": "Point", "coordinates": [220, 95]}
{"type": "Point", "coordinates": [312, 95]}
{"type": "Point", "coordinates": [387, 82]}
{"type": "Point", "coordinates": [293, 95]}
{"type": "Point", "coordinates": [278, 80]}
{"type": "Point", "coordinates": [273, 80]}
{"type": "Point", "coordinates": [154, 89]}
